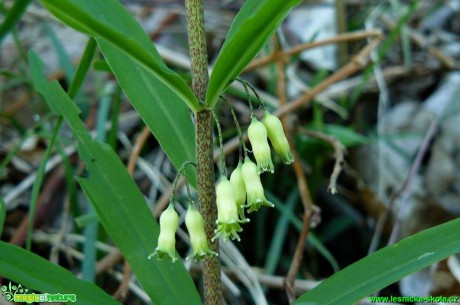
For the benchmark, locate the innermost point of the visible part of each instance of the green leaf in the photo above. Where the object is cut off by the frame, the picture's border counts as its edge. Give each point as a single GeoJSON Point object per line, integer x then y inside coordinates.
{"type": "Point", "coordinates": [280, 233]}
{"type": "Point", "coordinates": [313, 240]}
{"type": "Point", "coordinates": [250, 32]}
{"type": "Point", "coordinates": [386, 266]}
{"type": "Point", "coordinates": [346, 135]}
{"type": "Point", "coordinates": [158, 94]}
{"type": "Point", "coordinates": [119, 204]}
{"type": "Point", "coordinates": [108, 19]}
{"type": "Point", "coordinates": [13, 16]}
{"type": "Point", "coordinates": [36, 273]}
{"type": "Point", "coordinates": [166, 116]}
{"type": "Point", "coordinates": [2, 214]}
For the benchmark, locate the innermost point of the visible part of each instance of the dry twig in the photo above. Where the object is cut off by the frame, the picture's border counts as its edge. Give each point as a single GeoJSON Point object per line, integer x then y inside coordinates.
{"type": "Point", "coordinates": [122, 289]}
{"type": "Point", "coordinates": [301, 182]}
{"type": "Point", "coordinates": [339, 151]}
{"type": "Point", "coordinates": [421, 42]}
{"type": "Point", "coordinates": [284, 55]}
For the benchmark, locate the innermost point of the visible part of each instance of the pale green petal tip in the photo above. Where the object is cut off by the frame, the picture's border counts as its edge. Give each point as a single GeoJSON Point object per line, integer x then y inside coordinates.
{"type": "Point", "coordinates": [265, 164]}
{"type": "Point", "coordinates": [160, 254]}
{"type": "Point", "coordinates": [257, 204]}
{"type": "Point", "coordinates": [229, 230]}
{"type": "Point", "coordinates": [201, 255]}
{"type": "Point", "coordinates": [287, 157]}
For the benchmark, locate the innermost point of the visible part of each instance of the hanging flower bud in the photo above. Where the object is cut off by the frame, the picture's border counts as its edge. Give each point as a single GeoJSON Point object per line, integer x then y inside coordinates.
{"type": "Point", "coordinates": [254, 189]}
{"type": "Point", "coordinates": [258, 137]}
{"type": "Point", "coordinates": [236, 178]}
{"type": "Point", "coordinates": [277, 137]}
{"type": "Point", "coordinates": [169, 221]}
{"type": "Point", "coordinates": [195, 226]}
{"type": "Point", "coordinates": [228, 223]}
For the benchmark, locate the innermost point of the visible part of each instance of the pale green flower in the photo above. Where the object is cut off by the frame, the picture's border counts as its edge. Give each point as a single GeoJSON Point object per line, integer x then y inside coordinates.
{"type": "Point", "coordinates": [195, 226]}
{"type": "Point", "coordinates": [254, 189]}
{"type": "Point", "coordinates": [228, 222]}
{"type": "Point", "coordinates": [258, 137]}
{"type": "Point", "coordinates": [236, 178]}
{"type": "Point", "coordinates": [277, 137]}
{"type": "Point", "coordinates": [169, 222]}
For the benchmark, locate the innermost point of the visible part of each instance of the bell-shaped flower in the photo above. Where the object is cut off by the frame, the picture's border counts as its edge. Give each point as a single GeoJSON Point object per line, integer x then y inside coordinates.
{"type": "Point", "coordinates": [169, 221]}
{"type": "Point", "coordinates": [277, 137]}
{"type": "Point", "coordinates": [236, 178]}
{"type": "Point", "coordinates": [195, 226]}
{"type": "Point", "coordinates": [254, 189]}
{"type": "Point", "coordinates": [258, 137]}
{"type": "Point", "coordinates": [228, 222]}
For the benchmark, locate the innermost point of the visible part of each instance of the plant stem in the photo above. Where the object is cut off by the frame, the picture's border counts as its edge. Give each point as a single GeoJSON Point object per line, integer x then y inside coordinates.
{"type": "Point", "coordinates": [197, 47]}
{"type": "Point", "coordinates": [207, 199]}
{"type": "Point", "coordinates": [204, 151]}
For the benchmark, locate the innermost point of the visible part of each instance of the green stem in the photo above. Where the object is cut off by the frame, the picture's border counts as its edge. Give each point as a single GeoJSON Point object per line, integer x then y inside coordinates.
{"type": "Point", "coordinates": [197, 46]}
{"type": "Point", "coordinates": [207, 199]}
{"type": "Point", "coordinates": [223, 167]}
{"type": "Point", "coordinates": [243, 148]}
{"type": "Point", "coordinates": [204, 144]}
{"type": "Point", "coordinates": [179, 173]}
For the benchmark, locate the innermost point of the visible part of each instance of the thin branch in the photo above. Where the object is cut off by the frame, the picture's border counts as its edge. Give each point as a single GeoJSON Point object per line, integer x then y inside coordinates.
{"type": "Point", "coordinates": [357, 63]}
{"type": "Point", "coordinates": [140, 141]}
{"type": "Point", "coordinates": [298, 255]}
{"type": "Point", "coordinates": [263, 61]}
{"type": "Point", "coordinates": [339, 151]}
{"type": "Point", "coordinates": [418, 39]}
{"type": "Point", "coordinates": [404, 192]}
{"type": "Point", "coordinates": [121, 292]}
{"type": "Point", "coordinates": [305, 195]}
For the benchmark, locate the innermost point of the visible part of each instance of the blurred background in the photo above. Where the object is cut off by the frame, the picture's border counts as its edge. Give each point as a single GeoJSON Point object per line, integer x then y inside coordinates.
{"type": "Point", "coordinates": [374, 89]}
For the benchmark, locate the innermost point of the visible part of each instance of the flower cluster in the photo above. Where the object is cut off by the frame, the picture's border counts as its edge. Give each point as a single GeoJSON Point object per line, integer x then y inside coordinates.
{"type": "Point", "coordinates": [169, 222]}
{"type": "Point", "coordinates": [243, 191]}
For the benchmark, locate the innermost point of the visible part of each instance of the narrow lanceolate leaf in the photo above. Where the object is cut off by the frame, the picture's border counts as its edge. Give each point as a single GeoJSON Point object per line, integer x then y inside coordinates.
{"type": "Point", "coordinates": [251, 30]}
{"type": "Point", "coordinates": [35, 273]}
{"type": "Point", "coordinates": [2, 214]}
{"type": "Point", "coordinates": [119, 204]}
{"type": "Point", "coordinates": [108, 19]}
{"type": "Point", "coordinates": [166, 116]}
{"type": "Point", "coordinates": [159, 95]}
{"type": "Point", "coordinates": [12, 17]}
{"type": "Point", "coordinates": [386, 266]}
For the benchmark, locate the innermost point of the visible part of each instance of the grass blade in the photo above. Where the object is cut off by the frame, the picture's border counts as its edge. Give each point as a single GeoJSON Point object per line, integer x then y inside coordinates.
{"type": "Point", "coordinates": [83, 67]}
{"type": "Point", "coordinates": [2, 214]}
{"type": "Point", "coordinates": [386, 266]}
{"type": "Point", "coordinates": [312, 239]}
{"type": "Point", "coordinates": [274, 252]}
{"type": "Point", "coordinates": [65, 62]}
{"type": "Point", "coordinates": [38, 183]}
{"type": "Point", "coordinates": [13, 16]}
